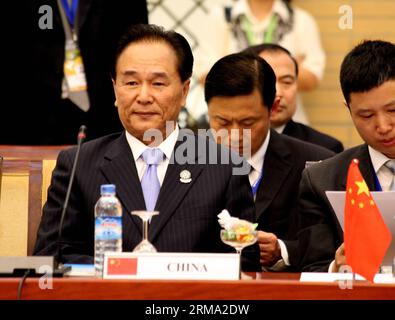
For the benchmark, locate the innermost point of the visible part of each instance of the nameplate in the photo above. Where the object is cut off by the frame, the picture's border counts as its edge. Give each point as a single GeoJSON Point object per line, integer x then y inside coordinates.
{"type": "Point", "coordinates": [336, 277]}
{"type": "Point", "coordinates": [182, 266]}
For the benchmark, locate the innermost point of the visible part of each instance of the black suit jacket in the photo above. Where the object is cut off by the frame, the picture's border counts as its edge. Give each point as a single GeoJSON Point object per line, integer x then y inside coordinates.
{"type": "Point", "coordinates": [308, 134]}
{"type": "Point", "coordinates": [320, 232]}
{"type": "Point", "coordinates": [35, 111]}
{"type": "Point", "coordinates": [187, 221]}
{"type": "Point", "coordinates": [276, 199]}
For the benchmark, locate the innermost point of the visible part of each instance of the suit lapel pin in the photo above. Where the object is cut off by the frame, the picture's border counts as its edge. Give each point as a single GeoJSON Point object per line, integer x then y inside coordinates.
{"type": "Point", "coordinates": [185, 176]}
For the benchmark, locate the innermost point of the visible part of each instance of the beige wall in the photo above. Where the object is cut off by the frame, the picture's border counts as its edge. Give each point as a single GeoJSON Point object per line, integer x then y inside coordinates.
{"type": "Point", "coordinates": [372, 19]}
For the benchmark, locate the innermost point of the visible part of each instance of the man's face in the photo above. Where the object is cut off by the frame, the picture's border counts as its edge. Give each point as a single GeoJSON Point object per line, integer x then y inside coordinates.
{"type": "Point", "coordinates": [373, 114]}
{"type": "Point", "coordinates": [286, 86]}
{"type": "Point", "coordinates": [238, 113]}
{"type": "Point", "coordinates": [148, 88]}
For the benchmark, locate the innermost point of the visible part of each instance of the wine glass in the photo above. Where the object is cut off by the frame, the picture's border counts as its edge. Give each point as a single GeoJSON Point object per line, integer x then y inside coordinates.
{"type": "Point", "coordinates": [145, 245]}
{"type": "Point", "coordinates": [239, 240]}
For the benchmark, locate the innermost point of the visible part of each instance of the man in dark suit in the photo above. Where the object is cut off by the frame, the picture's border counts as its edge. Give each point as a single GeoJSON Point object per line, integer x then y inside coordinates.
{"type": "Point", "coordinates": [36, 112]}
{"type": "Point", "coordinates": [240, 92]}
{"type": "Point", "coordinates": [309, 134]}
{"type": "Point", "coordinates": [367, 78]}
{"type": "Point", "coordinates": [151, 80]}
{"type": "Point", "coordinates": [286, 69]}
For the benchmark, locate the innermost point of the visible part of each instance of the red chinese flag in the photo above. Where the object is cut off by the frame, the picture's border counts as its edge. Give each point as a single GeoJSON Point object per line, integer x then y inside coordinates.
{"type": "Point", "coordinates": [122, 266]}
{"type": "Point", "coordinates": [366, 237]}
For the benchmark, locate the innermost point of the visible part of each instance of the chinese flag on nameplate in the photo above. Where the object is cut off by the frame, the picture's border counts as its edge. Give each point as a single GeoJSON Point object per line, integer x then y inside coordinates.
{"type": "Point", "coordinates": [122, 266]}
{"type": "Point", "coordinates": [366, 237]}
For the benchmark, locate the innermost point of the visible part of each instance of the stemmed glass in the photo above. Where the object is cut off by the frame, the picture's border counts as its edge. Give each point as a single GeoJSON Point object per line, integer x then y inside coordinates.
{"type": "Point", "coordinates": [239, 241]}
{"type": "Point", "coordinates": [145, 245]}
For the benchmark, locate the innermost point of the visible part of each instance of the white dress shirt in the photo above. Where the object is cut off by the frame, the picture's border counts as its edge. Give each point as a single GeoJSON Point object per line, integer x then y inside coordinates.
{"type": "Point", "coordinates": [383, 173]}
{"type": "Point", "coordinates": [280, 129]}
{"type": "Point", "coordinates": [167, 147]}
{"type": "Point", "coordinates": [303, 40]}
{"type": "Point", "coordinates": [257, 159]}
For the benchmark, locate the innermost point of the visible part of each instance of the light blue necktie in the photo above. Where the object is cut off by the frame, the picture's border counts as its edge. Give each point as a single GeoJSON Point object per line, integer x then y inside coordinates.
{"type": "Point", "coordinates": [390, 164]}
{"type": "Point", "coordinates": [150, 182]}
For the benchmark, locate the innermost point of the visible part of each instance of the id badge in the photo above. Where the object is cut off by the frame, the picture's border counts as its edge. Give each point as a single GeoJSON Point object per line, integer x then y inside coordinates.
{"type": "Point", "coordinates": [74, 68]}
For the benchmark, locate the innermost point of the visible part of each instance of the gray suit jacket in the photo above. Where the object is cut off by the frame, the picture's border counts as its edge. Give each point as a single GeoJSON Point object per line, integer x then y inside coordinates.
{"type": "Point", "coordinates": [320, 233]}
{"type": "Point", "coordinates": [187, 221]}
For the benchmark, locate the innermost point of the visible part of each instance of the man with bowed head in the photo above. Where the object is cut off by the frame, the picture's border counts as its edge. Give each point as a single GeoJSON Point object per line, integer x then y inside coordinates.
{"type": "Point", "coordinates": [240, 90]}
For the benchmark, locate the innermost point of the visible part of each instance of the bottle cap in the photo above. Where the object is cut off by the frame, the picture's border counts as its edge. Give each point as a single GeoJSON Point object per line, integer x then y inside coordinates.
{"type": "Point", "coordinates": [107, 188]}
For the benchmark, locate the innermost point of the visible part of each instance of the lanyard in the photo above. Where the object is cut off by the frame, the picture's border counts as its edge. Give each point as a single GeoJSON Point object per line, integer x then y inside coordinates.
{"type": "Point", "coordinates": [268, 34]}
{"type": "Point", "coordinates": [70, 33]}
{"type": "Point", "coordinates": [70, 11]}
{"type": "Point", "coordinates": [271, 29]}
{"type": "Point", "coordinates": [256, 184]}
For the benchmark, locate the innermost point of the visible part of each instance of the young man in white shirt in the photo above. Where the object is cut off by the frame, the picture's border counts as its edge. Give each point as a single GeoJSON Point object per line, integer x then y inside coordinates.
{"type": "Point", "coordinates": [367, 79]}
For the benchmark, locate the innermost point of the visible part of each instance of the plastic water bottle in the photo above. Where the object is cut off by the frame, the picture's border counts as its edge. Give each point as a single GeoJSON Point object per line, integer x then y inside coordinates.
{"type": "Point", "coordinates": [108, 225]}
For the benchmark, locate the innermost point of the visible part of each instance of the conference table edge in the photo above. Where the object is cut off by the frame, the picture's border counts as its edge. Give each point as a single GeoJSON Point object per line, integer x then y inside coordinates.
{"type": "Point", "coordinates": [97, 289]}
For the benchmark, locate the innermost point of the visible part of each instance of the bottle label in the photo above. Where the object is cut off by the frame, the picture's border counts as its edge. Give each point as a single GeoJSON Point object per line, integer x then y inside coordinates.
{"type": "Point", "coordinates": [108, 228]}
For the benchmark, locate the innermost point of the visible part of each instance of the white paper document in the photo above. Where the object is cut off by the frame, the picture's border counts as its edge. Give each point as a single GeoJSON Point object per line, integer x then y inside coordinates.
{"type": "Point", "coordinates": [385, 201]}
